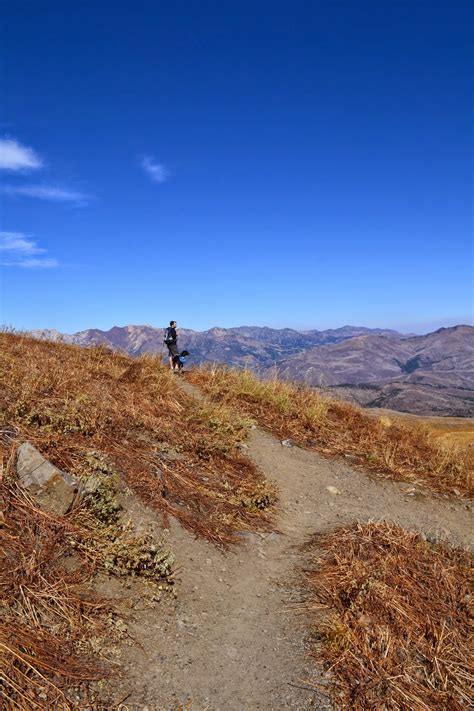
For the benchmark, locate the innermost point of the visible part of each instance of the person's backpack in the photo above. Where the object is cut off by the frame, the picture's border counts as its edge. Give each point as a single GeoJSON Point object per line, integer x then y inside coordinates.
{"type": "Point", "coordinates": [168, 338]}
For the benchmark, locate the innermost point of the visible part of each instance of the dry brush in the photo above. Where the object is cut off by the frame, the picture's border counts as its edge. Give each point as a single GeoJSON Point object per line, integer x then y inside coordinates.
{"type": "Point", "coordinates": [392, 618]}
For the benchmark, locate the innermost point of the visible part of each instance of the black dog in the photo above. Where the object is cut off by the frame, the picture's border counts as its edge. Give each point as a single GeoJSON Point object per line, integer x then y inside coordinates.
{"type": "Point", "coordinates": [178, 360]}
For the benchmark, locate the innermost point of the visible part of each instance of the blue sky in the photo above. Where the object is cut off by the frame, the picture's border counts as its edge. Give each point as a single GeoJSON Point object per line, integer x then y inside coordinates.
{"type": "Point", "coordinates": [304, 164]}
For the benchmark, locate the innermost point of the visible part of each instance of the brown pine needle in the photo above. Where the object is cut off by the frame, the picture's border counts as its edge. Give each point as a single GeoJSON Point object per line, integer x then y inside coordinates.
{"type": "Point", "coordinates": [400, 644]}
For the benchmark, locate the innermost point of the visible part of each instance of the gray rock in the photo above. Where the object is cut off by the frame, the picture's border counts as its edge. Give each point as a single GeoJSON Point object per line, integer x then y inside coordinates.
{"type": "Point", "coordinates": [287, 443]}
{"type": "Point", "coordinates": [170, 455]}
{"type": "Point", "coordinates": [440, 536]}
{"type": "Point", "coordinates": [54, 490]}
{"type": "Point", "coordinates": [249, 535]}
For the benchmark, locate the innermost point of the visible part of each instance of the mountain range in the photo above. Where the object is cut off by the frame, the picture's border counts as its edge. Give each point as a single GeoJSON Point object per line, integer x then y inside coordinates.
{"type": "Point", "coordinates": [245, 346]}
{"type": "Point", "coordinates": [430, 374]}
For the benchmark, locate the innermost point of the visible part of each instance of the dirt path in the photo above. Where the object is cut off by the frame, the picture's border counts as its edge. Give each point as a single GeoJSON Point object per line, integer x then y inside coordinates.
{"type": "Point", "coordinates": [231, 640]}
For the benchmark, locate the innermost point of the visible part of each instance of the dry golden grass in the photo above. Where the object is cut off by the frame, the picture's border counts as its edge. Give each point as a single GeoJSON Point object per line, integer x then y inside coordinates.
{"type": "Point", "coordinates": [46, 615]}
{"type": "Point", "coordinates": [392, 619]}
{"type": "Point", "coordinates": [458, 431]}
{"type": "Point", "coordinates": [386, 446]}
{"type": "Point", "coordinates": [69, 401]}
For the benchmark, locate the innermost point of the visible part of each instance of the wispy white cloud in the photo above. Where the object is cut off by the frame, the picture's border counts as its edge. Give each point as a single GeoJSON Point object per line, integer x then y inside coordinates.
{"type": "Point", "coordinates": [33, 263]}
{"type": "Point", "coordinates": [15, 157]}
{"type": "Point", "coordinates": [47, 192]}
{"type": "Point", "coordinates": [156, 171]}
{"type": "Point", "coordinates": [18, 242]}
{"type": "Point", "coordinates": [19, 250]}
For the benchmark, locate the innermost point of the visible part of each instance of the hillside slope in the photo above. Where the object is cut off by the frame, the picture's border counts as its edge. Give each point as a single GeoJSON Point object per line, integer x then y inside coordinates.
{"type": "Point", "coordinates": [420, 374]}
{"type": "Point", "coordinates": [80, 590]}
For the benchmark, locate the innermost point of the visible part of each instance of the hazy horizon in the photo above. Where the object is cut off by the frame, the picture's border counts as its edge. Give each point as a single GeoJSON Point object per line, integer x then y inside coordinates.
{"type": "Point", "coordinates": [418, 329]}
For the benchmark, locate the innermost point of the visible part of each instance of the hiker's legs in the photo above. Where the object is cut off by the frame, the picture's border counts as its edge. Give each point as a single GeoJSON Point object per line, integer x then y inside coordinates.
{"type": "Point", "coordinates": [173, 351]}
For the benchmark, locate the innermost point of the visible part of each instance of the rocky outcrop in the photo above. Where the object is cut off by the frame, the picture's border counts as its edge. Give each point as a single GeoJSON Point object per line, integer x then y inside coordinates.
{"type": "Point", "coordinates": [54, 490]}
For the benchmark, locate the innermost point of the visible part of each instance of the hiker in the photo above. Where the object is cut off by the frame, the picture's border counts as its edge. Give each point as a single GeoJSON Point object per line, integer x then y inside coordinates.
{"type": "Point", "coordinates": [171, 340]}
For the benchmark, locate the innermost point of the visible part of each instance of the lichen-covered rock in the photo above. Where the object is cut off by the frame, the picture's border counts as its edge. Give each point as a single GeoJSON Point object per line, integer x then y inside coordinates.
{"type": "Point", "coordinates": [54, 490]}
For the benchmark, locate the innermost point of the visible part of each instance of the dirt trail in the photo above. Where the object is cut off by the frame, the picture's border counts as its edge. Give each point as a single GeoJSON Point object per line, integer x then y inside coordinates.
{"type": "Point", "coordinates": [232, 639]}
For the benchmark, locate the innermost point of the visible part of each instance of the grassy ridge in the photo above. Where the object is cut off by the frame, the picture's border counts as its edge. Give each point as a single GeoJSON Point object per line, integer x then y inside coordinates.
{"type": "Point", "coordinates": [70, 401]}
{"type": "Point", "coordinates": [389, 447]}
